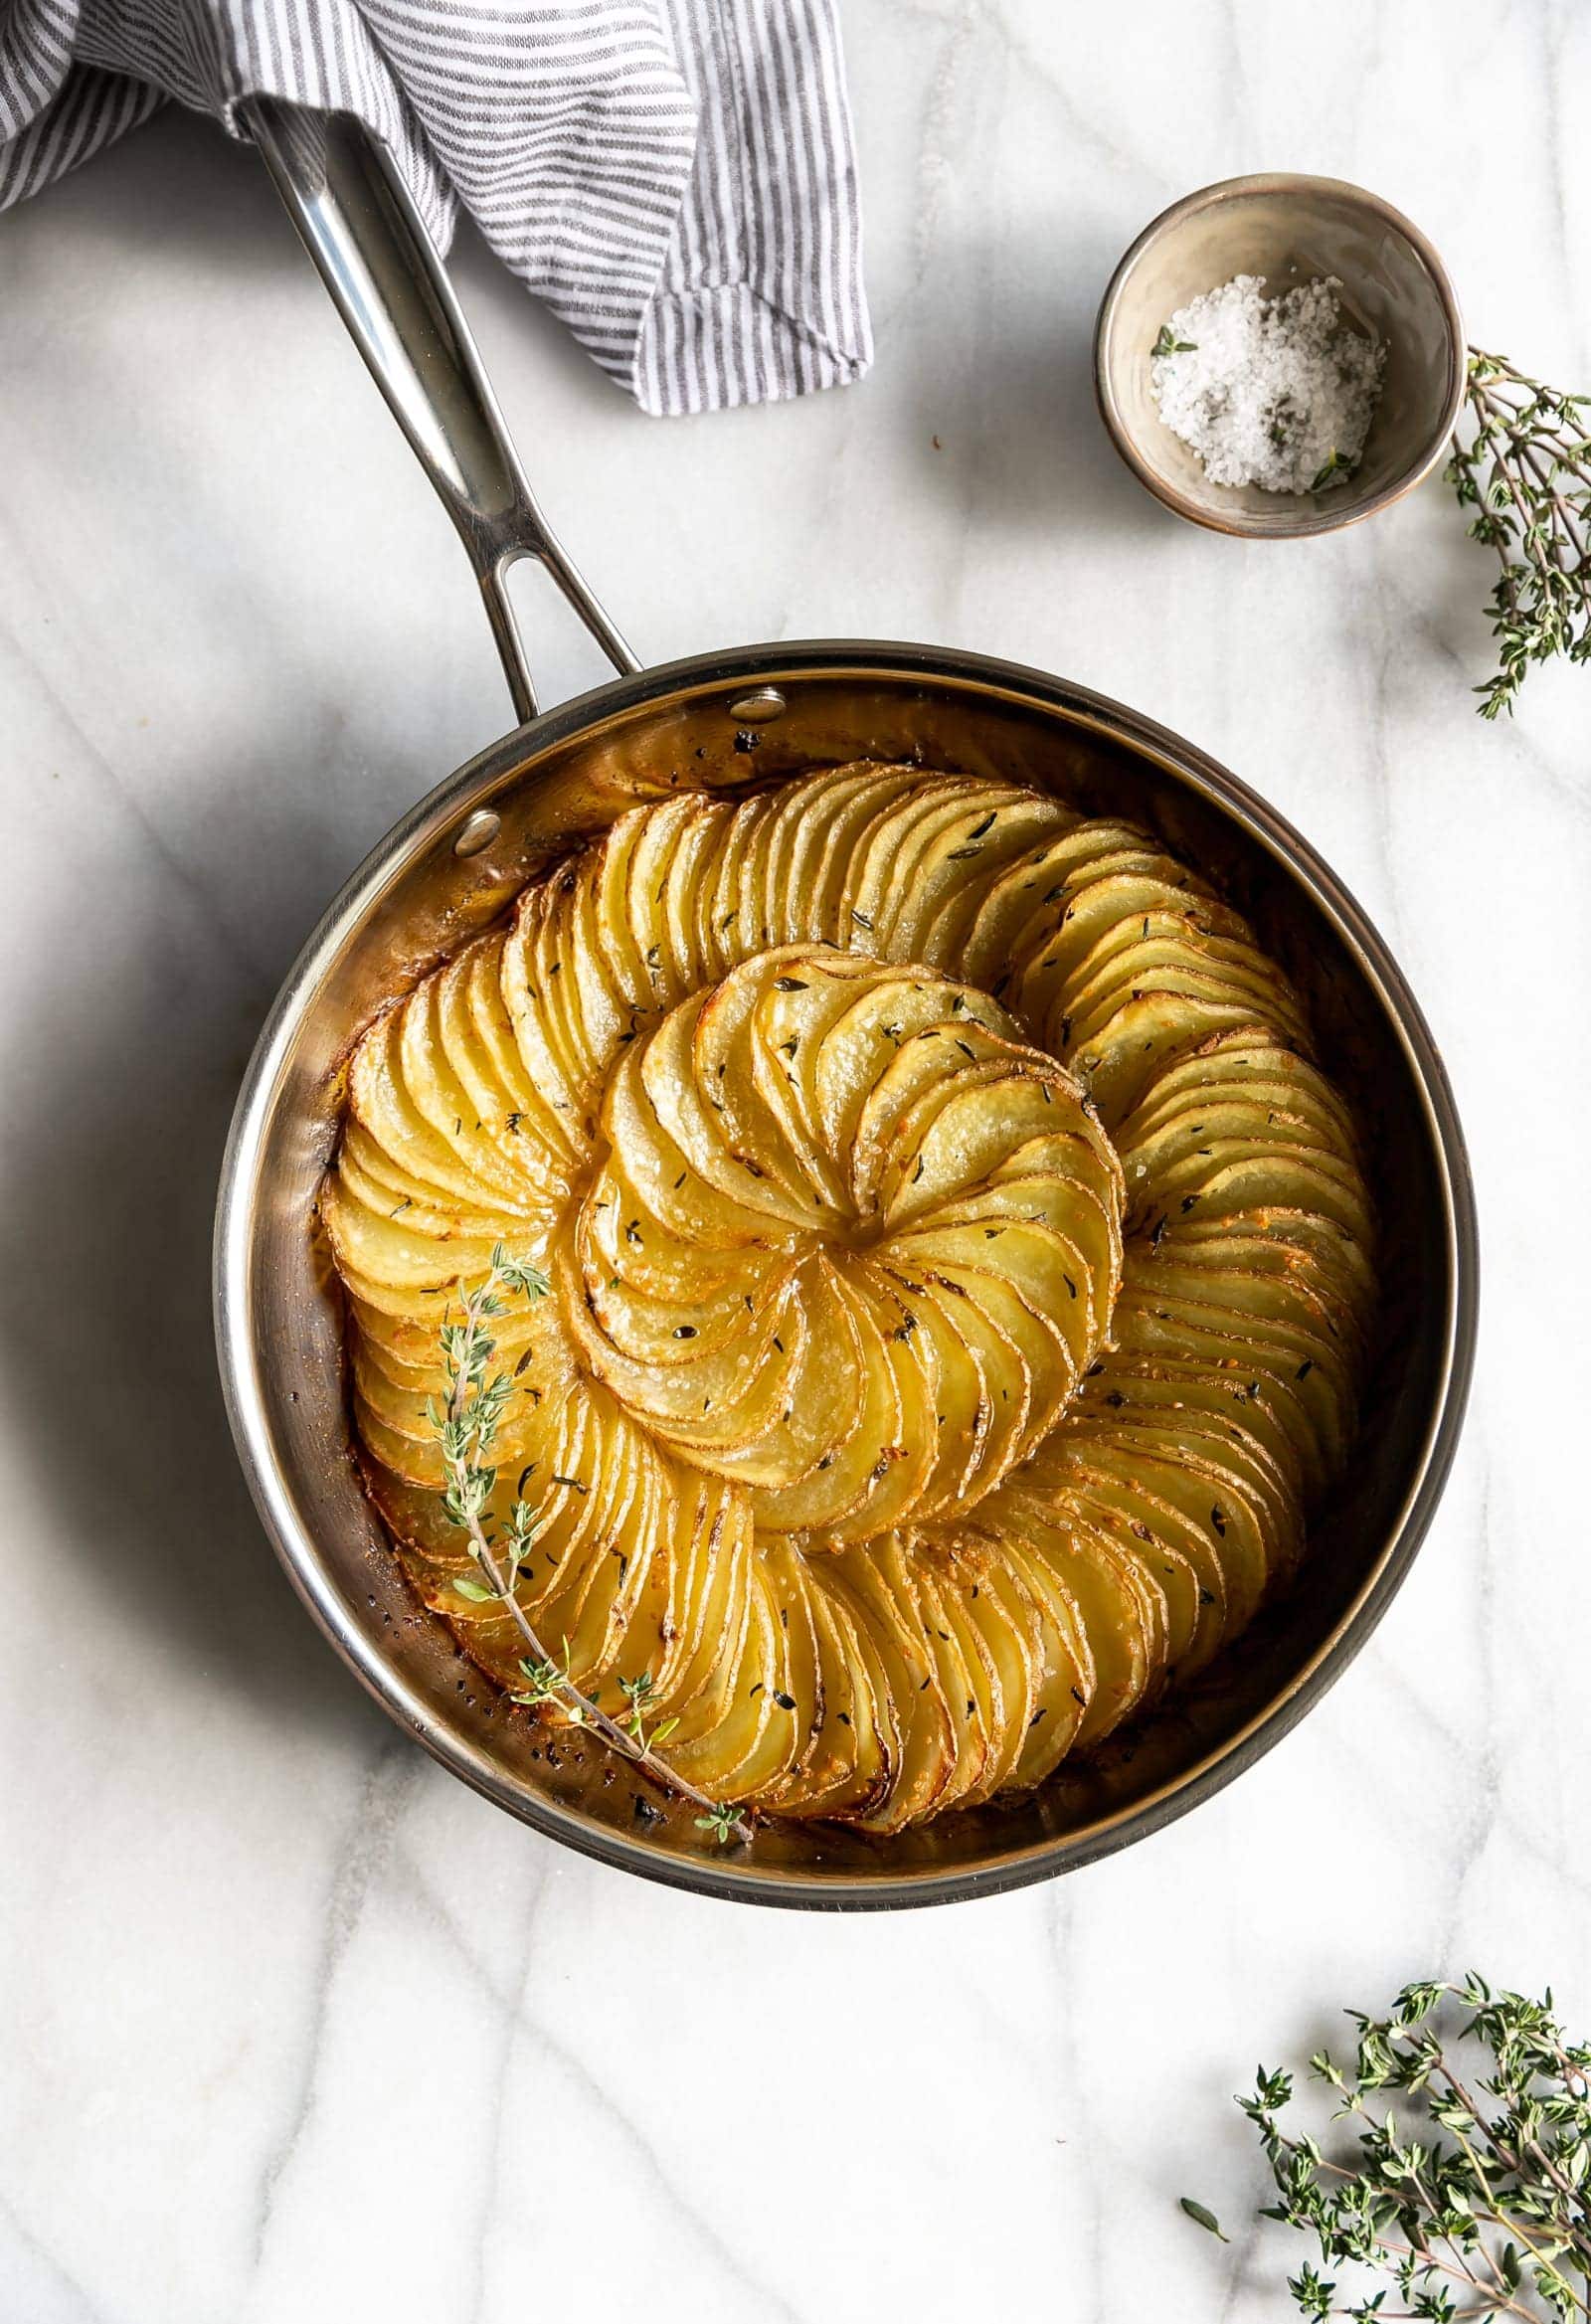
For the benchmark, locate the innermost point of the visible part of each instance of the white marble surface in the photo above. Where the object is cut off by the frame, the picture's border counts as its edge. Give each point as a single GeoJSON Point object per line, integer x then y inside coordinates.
{"type": "Point", "coordinates": [292, 2026]}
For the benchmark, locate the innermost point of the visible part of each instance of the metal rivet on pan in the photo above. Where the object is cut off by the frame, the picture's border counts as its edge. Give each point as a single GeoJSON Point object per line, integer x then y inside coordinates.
{"type": "Point", "coordinates": [478, 831]}
{"type": "Point", "coordinates": [753, 709]}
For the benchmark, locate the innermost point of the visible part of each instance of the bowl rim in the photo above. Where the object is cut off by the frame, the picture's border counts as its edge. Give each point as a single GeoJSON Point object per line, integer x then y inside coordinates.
{"type": "Point", "coordinates": [309, 1571]}
{"type": "Point", "coordinates": [1315, 521]}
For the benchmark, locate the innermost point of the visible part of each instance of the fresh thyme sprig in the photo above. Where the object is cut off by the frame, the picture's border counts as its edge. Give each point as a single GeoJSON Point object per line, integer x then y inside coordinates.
{"type": "Point", "coordinates": [465, 1425]}
{"type": "Point", "coordinates": [1488, 2219]}
{"type": "Point", "coordinates": [1526, 473]}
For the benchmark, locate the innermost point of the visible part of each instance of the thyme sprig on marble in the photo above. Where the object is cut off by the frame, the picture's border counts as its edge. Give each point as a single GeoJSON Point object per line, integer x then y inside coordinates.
{"type": "Point", "coordinates": [1525, 470]}
{"type": "Point", "coordinates": [466, 1424]}
{"type": "Point", "coordinates": [1467, 2192]}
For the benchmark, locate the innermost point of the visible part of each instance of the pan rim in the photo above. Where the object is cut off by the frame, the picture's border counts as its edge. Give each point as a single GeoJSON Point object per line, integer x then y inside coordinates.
{"type": "Point", "coordinates": [729, 1877]}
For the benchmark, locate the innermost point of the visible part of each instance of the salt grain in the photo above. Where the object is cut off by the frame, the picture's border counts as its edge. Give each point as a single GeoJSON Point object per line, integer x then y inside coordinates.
{"type": "Point", "coordinates": [1275, 392]}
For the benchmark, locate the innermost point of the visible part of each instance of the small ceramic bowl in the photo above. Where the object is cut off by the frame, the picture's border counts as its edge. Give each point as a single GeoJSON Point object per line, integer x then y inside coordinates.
{"type": "Point", "coordinates": [1288, 230]}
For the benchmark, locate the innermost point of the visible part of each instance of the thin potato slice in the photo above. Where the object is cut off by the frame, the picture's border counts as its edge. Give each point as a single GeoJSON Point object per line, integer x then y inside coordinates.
{"type": "Point", "coordinates": [875, 1585]}
{"type": "Point", "coordinates": [966, 1677]}
{"type": "Point", "coordinates": [853, 1765]}
{"type": "Point", "coordinates": [1118, 1615]}
{"type": "Point", "coordinates": [1017, 914]}
{"type": "Point", "coordinates": [826, 816]}
{"type": "Point", "coordinates": [1003, 1623]}
{"type": "Point", "coordinates": [1064, 1678]}
{"type": "Point", "coordinates": [747, 1747]}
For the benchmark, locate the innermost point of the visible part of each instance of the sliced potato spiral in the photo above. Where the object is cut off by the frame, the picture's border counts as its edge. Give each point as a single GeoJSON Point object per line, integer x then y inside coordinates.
{"type": "Point", "coordinates": [961, 1273]}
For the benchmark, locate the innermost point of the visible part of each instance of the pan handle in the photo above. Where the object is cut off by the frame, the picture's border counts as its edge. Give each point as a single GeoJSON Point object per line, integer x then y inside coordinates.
{"type": "Point", "coordinates": [359, 224]}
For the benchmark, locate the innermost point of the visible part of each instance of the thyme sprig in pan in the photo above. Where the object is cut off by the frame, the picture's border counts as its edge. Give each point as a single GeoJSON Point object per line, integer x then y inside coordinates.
{"type": "Point", "coordinates": [1526, 472]}
{"type": "Point", "coordinates": [466, 1424]}
{"type": "Point", "coordinates": [1466, 2195]}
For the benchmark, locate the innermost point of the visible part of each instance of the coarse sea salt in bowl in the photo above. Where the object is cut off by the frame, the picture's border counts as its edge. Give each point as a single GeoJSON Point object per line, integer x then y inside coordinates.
{"type": "Point", "coordinates": [1392, 292]}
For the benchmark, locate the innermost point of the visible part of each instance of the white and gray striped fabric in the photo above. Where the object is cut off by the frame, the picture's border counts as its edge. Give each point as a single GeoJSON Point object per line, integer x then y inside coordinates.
{"type": "Point", "coordinates": [675, 178]}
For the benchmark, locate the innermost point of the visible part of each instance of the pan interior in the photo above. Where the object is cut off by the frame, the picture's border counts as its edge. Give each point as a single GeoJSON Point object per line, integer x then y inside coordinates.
{"type": "Point", "coordinates": [572, 773]}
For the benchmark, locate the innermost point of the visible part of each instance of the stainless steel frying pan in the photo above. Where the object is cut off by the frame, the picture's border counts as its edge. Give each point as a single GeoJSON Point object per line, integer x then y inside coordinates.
{"type": "Point", "coordinates": [450, 865]}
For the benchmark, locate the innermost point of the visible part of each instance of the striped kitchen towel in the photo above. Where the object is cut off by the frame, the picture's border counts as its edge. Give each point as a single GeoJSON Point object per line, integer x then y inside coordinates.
{"type": "Point", "coordinates": [675, 178]}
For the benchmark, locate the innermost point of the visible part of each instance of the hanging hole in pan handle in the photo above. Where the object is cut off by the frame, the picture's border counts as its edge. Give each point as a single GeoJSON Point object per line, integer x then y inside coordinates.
{"type": "Point", "coordinates": [358, 221]}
